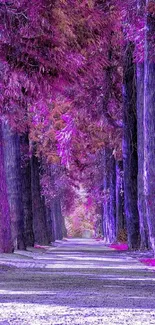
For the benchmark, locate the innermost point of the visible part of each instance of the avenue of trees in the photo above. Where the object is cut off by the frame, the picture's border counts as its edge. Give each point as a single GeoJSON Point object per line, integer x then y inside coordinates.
{"type": "Point", "coordinates": [77, 108]}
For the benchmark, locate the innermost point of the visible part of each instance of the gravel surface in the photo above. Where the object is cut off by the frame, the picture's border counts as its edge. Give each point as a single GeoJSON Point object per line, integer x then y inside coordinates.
{"type": "Point", "coordinates": [27, 314]}
{"type": "Point", "coordinates": [76, 282]}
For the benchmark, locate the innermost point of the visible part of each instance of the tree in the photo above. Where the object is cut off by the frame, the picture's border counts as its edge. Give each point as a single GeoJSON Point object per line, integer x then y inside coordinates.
{"type": "Point", "coordinates": [11, 149]}
{"type": "Point", "coordinates": [148, 122]}
{"type": "Point", "coordinates": [26, 190]}
{"type": "Point", "coordinates": [38, 205]}
{"type": "Point", "coordinates": [120, 214]}
{"type": "Point", "coordinates": [130, 150]}
{"type": "Point", "coordinates": [6, 244]}
{"type": "Point", "coordinates": [144, 232]}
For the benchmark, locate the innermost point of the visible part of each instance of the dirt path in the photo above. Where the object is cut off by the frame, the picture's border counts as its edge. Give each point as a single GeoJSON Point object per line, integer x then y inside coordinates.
{"type": "Point", "coordinates": [79, 282]}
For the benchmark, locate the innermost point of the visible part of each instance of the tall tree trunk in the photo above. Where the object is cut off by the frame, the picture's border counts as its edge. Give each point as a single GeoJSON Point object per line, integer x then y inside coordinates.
{"type": "Point", "coordinates": [64, 229]}
{"type": "Point", "coordinates": [26, 191]}
{"type": "Point", "coordinates": [49, 225]}
{"type": "Point", "coordinates": [38, 205]}
{"type": "Point", "coordinates": [112, 192]}
{"type": "Point", "coordinates": [6, 244]}
{"type": "Point", "coordinates": [130, 150]}
{"type": "Point", "coordinates": [12, 165]}
{"type": "Point", "coordinates": [58, 223]}
{"type": "Point", "coordinates": [109, 208]}
{"type": "Point", "coordinates": [57, 219]}
{"type": "Point", "coordinates": [149, 127]}
{"type": "Point", "coordinates": [120, 218]}
{"type": "Point", "coordinates": [105, 215]}
{"type": "Point", "coordinates": [144, 232]}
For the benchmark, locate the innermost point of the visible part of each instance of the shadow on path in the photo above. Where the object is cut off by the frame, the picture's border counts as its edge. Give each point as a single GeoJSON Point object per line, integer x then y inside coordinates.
{"type": "Point", "coordinates": [76, 276]}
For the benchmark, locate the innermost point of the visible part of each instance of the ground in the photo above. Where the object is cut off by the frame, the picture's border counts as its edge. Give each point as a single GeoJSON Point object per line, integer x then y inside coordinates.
{"type": "Point", "coordinates": [76, 282]}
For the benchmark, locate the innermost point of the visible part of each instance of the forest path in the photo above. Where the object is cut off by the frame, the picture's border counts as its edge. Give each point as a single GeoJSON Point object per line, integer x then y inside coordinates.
{"type": "Point", "coordinates": [77, 282]}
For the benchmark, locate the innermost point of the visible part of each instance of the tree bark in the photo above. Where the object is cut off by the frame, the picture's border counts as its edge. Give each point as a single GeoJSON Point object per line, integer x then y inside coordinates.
{"type": "Point", "coordinates": [109, 202]}
{"type": "Point", "coordinates": [6, 244]}
{"type": "Point", "coordinates": [120, 218]}
{"type": "Point", "coordinates": [57, 219]}
{"type": "Point", "coordinates": [49, 224]}
{"type": "Point", "coordinates": [38, 205]}
{"type": "Point", "coordinates": [12, 163]}
{"type": "Point", "coordinates": [149, 128]}
{"type": "Point", "coordinates": [112, 192]}
{"type": "Point", "coordinates": [58, 223]}
{"type": "Point", "coordinates": [26, 192]}
{"type": "Point", "coordinates": [144, 231]}
{"type": "Point", "coordinates": [130, 161]}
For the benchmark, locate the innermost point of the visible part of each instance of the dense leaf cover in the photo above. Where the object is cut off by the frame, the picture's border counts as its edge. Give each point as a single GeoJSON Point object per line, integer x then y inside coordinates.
{"type": "Point", "coordinates": [61, 77]}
